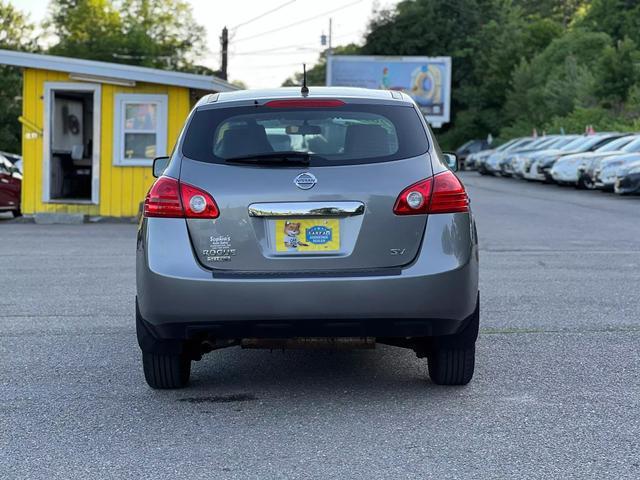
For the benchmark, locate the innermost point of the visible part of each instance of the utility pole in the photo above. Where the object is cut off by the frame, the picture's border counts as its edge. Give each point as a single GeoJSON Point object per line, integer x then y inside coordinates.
{"type": "Point", "coordinates": [224, 46]}
{"type": "Point", "coordinates": [330, 22]}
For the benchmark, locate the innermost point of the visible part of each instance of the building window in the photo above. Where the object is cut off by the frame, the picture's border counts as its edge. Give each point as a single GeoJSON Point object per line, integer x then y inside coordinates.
{"type": "Point", "coordinates": [140, 129]}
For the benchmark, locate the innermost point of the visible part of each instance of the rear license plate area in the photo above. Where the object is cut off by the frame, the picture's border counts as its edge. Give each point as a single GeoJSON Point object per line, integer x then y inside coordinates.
{"type": "Point", "coordinates": [305, 236]}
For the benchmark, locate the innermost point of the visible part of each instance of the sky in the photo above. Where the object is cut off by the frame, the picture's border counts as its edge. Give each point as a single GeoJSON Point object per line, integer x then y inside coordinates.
{"type": "Point", "coordinates": [266, 48]}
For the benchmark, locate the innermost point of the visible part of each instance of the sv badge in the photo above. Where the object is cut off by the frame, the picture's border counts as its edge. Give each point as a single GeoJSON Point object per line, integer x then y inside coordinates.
{"type": "Point", "coordinates": [397, 251]}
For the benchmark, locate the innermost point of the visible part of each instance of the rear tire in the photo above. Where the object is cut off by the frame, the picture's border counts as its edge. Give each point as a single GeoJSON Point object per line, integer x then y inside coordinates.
{"type": "Point", "coordinates": [166, 363]}
{"type": "Point", "coordinates": [452, 366]}
{"type": "Point", "coordinates": [451, 358]}
{"type": "Point", "coordinates": [166, 371]}
{"type": "Point", "coordinates": [16, 213]}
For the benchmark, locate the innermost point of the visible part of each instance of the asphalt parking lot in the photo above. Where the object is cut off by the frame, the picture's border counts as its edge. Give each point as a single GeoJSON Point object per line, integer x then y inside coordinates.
{"type": "Point", "coordinates": [556, 392]}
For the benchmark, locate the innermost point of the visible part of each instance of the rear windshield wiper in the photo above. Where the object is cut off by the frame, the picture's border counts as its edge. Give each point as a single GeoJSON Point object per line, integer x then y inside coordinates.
{"type": "Point", "coordinates": [275, 158]}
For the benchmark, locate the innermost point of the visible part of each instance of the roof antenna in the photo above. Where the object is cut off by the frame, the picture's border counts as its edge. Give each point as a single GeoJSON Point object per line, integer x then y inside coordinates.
{"type": "Point", "coordinates": [304, 90]}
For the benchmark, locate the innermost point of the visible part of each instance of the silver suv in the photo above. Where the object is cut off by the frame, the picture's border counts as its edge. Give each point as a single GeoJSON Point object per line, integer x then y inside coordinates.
{"type": "Point", "coordinates": [284, 219]}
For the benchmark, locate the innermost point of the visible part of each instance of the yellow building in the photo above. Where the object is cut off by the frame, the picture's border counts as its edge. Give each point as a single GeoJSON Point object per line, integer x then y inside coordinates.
{"type": "Point", "coordinates": [91, 130]}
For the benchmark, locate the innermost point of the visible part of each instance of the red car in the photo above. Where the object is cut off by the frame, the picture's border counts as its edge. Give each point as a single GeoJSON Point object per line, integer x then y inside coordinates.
{"type": "Point", "coordinates": [10, 185]}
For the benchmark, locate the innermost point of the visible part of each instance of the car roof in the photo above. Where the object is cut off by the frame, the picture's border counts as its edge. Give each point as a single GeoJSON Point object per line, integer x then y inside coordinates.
{"type": "Point", "coordinates": [314, 92]}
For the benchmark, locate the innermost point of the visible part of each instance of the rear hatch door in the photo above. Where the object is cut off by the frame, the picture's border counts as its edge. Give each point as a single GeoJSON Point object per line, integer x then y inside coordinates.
{"type": "Point", "coordinates": [334, 213]}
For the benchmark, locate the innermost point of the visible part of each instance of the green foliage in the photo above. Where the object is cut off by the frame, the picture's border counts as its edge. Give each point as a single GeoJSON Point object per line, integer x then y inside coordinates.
{"type": "Point", "coordinates": [616, 74]}
{"type": "Point", "coordinates": [150, 33]}
{"type": "Point", "coordinates": [16, 33]}
{"type": "Point", "coordinates": [600, 118]}
{"type": "Point", "coordinates": [556, 80]}
{"type": "Point", "coordinates": [617, 18]}
{"type": "Point", "coordinates": [88, 29]}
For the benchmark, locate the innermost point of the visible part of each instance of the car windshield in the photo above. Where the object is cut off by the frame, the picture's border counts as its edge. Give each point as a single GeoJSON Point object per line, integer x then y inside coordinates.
{"type": "Point", "coordinates": [615, 145]}
{"type": "Point", "coordinates": [583, 143]}
{"type": "Point", "coordinates": [561, 142]}
{"type": "Point", "coordinates": [11, 158]}
{"type": "Point", "coordinates": [633, 146]}
{"type": "Point", "coordinates": [520, 143]}
{"type": "Point", "coordinates": [465, 145]}
{"type": "Point", "coordinates": [347, 134]}
{"type": "Point", "coordinates": [539, 143]}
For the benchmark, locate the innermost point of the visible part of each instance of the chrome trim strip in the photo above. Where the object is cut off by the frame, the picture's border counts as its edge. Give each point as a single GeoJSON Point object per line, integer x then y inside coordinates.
{"type": "Point", "coordinates": [306, 209]}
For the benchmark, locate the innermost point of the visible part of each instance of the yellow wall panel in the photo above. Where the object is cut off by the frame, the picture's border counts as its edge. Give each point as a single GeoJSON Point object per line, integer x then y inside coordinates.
{"type": "Point", "coordinates": [121, 188]}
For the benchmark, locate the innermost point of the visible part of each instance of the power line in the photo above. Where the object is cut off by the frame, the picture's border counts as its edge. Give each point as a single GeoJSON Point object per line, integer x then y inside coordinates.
{"type": "Point", "coordinates": [302, 50]}
{"type": "Point", "coordinates": [262, 15]}
{"type": "Point", "coordinates": [275, 49]}
{"type": "Point", "coordinates": [300, 22]}
{"type": "Point", "coordinates": [297, 46]}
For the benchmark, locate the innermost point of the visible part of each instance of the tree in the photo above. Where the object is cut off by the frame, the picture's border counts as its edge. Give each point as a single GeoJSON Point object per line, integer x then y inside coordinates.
{"type": "Point", "coordinates": [616, 18]}
{"type": "Point", "coordinates": [162, 33]}
{"type": "Point", "coordinates": [556, 80]}
{"type": "Point", "coordinates": [90, 29]}
{"type": "Point", "coordinates": [150, 33]}
{"type": "Point", "coordinates": [16, 33]}
{"type": "Point", "coordinates": [617, 73]}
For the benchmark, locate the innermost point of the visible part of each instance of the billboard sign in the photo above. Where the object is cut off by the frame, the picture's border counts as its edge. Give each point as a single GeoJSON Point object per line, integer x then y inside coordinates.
{"type": "Point", "coordinates": [426, 79]}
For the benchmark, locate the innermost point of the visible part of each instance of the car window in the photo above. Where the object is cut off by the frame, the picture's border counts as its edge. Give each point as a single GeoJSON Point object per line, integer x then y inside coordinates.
{"type": "Point", "coordinates": [632, 146]}
{"type": "Point", "coordinates": [507, 145]}
{"type": "Point", "coordinates": [348, 134]}
{"type": "Point", "coordinates": [466, 146]}
{"type": "Point", "coordinates": [562, 142]}
{"type": "Point", "coordinates": [584, 143]}
{"type": "Point", "coordinates": [615, 144]}
{"type": "Point", "coordinates": [548, 143]}
{"type": "Point", "coordinates": [520, 144]}
{"type": "Point", "coordinates": [538, 143]}
{"type": "Point", "coordinates": [11, 158]}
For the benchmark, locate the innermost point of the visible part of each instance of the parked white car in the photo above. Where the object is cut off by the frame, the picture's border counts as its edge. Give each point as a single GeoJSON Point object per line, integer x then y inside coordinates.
{"type": "Point", "coordinates": [566, 171]}
{"type": "Point", "coordinates": [608, 171]}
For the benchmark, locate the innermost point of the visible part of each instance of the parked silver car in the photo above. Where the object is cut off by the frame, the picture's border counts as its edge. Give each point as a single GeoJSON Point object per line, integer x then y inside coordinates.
{"type": "Point", "coordinates": [285, 219]}
{"type": "Point", "coordinates": [607, 171]}
{"type": "Point", "coordinates": [566, 171]}
{"type": "Point", "coordinates": [490, 164]}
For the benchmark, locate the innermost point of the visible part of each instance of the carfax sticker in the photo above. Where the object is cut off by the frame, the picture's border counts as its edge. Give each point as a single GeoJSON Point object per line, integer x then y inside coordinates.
{"type": "Point", "coordinates": [306, 235]}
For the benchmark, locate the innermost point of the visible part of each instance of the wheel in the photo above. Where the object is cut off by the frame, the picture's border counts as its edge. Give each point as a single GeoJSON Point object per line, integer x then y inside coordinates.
{"type": "Point", "coordinates": [452, 366]}
{"type": "Point", "coordinates": [451, 358]}
{"type": "Point", "coordinates": [16, 213]}
{"type": "Point", "coordinates": [166, 371]}
{"type": "Point", "coordinates": [166, 363]}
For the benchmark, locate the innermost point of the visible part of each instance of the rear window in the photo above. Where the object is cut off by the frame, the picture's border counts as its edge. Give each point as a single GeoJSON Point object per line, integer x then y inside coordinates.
{"type": "Point", "coordinates": [345, 135]}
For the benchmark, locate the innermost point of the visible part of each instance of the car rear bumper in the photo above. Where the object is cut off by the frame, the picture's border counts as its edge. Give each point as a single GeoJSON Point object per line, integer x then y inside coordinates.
{"type": "Point", "coordinates": [434, 295]}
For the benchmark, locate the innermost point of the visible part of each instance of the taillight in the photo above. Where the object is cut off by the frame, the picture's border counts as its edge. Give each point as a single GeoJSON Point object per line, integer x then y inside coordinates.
{"type": "Point", "coordinates": [414, 199]}
{"type": "Point", "coordinates": [449, 196]}
{"type": "Point", "coordinates": [170, 198]}
{"type": "Point", "coordinates": [197, 203]}
{"type": "Point", "coordinates": [442, 193]}
{"type": "Point", "coordinates": [163, 199]}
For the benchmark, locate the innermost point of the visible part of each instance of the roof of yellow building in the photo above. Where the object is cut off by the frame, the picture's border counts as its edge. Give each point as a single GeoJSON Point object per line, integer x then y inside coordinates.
{"type": "Point", "coordinates": [92, 70]}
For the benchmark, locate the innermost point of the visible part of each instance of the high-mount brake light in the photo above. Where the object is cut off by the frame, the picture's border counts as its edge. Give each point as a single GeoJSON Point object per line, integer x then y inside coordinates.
{"type": "Point", "coordinates": [169, 198]}
{"type": "Point", "coordinates": [304, 103]}
{"type": "Point", "coordinates": [442, 193]}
